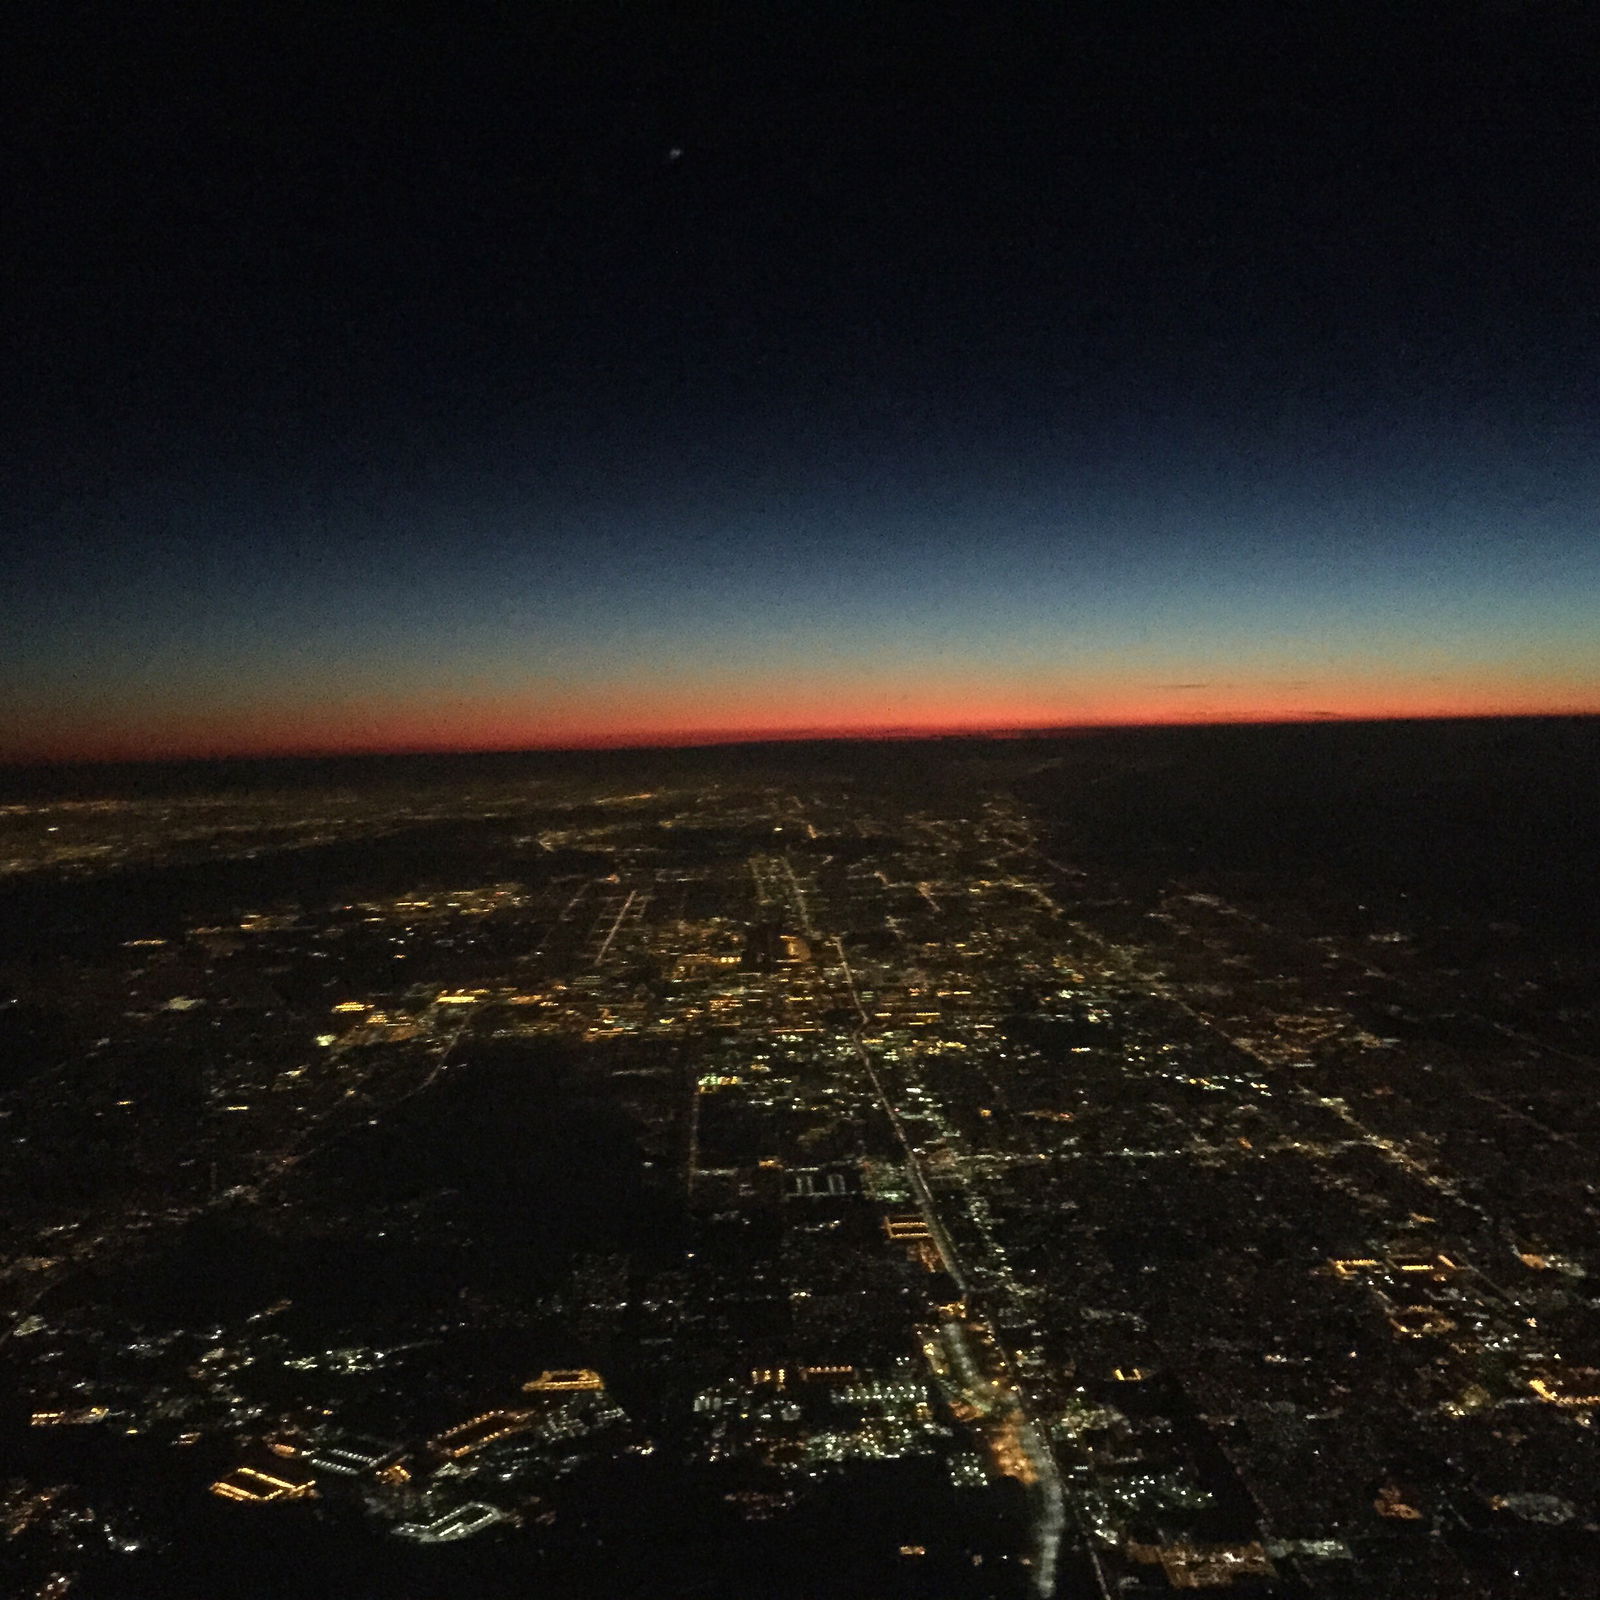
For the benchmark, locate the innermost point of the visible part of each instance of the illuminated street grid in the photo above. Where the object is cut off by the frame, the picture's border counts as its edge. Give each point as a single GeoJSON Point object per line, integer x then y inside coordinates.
{"type": "Point", "coordinates": [1121, 1225]}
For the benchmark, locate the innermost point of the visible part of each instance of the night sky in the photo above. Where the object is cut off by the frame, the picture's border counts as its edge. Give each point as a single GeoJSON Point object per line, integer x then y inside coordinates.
{"type": "Point", "coordinates": [511, 375]}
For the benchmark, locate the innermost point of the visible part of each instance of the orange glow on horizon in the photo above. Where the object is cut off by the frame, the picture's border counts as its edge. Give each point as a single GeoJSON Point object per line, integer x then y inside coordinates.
{"type": "Point", "coordinates": [467, 726]}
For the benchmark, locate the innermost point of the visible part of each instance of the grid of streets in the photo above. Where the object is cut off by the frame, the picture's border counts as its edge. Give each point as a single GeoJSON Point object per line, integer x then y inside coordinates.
{"type": "Point", "coordinates": [1126, 1242]}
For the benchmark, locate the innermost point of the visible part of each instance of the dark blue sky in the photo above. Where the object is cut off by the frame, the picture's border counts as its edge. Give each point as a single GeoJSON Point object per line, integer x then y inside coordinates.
{"type": "Point", "coordinates": [512, 374]}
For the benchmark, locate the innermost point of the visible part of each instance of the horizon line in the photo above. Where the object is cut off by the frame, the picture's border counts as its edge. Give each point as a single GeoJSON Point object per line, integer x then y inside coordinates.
{"type": "Point", "coordinates": [710, 739]}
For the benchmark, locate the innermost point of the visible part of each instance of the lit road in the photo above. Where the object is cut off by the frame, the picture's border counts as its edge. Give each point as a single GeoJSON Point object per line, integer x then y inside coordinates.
{"type": "Point", "coordinates": [1005, 1400]}
{"type": "Point", "coordinates": [622, 912]}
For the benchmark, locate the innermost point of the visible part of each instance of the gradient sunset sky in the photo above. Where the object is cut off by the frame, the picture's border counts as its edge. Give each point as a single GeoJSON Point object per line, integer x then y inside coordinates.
{"type": "Point", "coordinates": [501, 377]}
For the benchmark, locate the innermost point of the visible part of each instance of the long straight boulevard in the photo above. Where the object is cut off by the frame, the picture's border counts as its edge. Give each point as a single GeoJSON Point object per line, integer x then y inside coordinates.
{"type": "Point", "coordinates": [991, 1381]}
